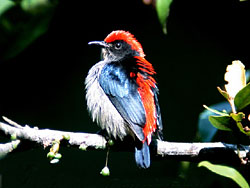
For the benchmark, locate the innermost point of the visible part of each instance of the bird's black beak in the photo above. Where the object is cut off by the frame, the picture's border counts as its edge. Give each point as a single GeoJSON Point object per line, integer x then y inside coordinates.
{"type": "Point", "coordinates": [100, 43]}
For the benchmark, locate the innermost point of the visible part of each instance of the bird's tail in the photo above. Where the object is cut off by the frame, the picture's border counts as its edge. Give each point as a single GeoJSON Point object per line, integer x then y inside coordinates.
{"type": "Point", "coordinates": [142, 156]}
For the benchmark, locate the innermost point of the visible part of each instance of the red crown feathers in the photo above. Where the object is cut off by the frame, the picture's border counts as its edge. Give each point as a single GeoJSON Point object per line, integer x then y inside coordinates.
{"type": "Point", "coordinates": [127, 37]}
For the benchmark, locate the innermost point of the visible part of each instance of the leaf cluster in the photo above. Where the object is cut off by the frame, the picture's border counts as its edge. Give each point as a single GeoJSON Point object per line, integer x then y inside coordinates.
{"type": "Point", "coordinates": [238, 98]}
{"type": "Point", "coordinates": [233, 118]}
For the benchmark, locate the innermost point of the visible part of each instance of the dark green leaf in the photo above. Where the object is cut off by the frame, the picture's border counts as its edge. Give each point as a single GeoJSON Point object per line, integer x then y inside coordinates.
{"type": "Point", "coordinates": [21, 24]}
{"type": "Point", "coordinates": [242, 99]}
{"type": "Point", "coordinates": [163, 8]}
{"type": "Point", "coordinates": [226, 171]}
{"type": "Point", "coordinates": [220, 122]}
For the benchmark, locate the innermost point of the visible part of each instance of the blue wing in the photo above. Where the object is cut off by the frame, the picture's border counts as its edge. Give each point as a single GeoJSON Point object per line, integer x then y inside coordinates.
{"type": "Point", "coordinates": [122, 92]}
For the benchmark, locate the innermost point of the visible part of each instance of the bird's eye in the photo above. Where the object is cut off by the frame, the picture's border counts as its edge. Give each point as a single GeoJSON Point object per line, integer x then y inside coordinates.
{"type": "Point", "coordinates": [118, 45]}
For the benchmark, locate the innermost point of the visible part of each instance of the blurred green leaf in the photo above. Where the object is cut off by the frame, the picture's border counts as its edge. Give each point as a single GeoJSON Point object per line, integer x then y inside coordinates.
{"type": "Point", "coordinates": [220, 122]}
{"type": "Point", "coordinates": [242, 98]}
{"type": "Point", "coordinates": [23, 23]}
{"type": "Point", "coordinates": [35, 6]}
{"type": "Point", "coordinates": [226, 171]}
{"type": "Point", "coordinates": [5, 5]}
{"type": "Point", "coordinates": [163, 8]}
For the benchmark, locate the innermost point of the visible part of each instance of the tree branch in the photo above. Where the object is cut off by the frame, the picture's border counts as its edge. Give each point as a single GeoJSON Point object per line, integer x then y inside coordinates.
{"type": "Point", "coordinates": [8, 147]}
{"type": "Point", "coordinates": [46, 137]}
{"type": "Point", "coordinates": [213, 151]}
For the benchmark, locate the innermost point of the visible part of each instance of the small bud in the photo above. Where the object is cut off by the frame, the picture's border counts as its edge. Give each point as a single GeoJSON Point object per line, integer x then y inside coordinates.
{"type": "Point", "coordinates": [105, 171]}
{"type": "Point", "coordinates": [13, 136]}
{"type": "Point", "coordinates": [58, 156]}
{"type": "Point", "coordinates": [111, 142]}
{"type": "Point", "coordinates": [100, 147]}
{"type": "Point", "coordinates": [66, 137]}
{"type": "Point", "coordinates": [54, 161]}
{"type": "Point", "coordinates": [15, 144]}
{"type": "Point", "coordinates": [83, 147]}
{"type": "Point", "coordinates": [51, 155]}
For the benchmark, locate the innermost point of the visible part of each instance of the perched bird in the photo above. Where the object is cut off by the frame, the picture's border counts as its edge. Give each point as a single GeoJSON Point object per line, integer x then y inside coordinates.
{"type": "Point", "coordinates": [121, 93]}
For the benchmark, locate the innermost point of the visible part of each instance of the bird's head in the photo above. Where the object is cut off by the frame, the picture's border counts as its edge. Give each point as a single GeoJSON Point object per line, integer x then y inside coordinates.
{"type": "Point", "coordinates": [119, 45]}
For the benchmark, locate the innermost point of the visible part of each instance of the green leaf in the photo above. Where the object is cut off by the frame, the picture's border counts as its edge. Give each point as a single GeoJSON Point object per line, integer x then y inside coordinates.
{"type": "Point", "coordinates": [242, 98]}
{"type": "Point", "coordinates": [163, 8]}
{"type": "Point", "coordinates": [226, 171]}
{"type": "Point", "coordinates": [220, 122]}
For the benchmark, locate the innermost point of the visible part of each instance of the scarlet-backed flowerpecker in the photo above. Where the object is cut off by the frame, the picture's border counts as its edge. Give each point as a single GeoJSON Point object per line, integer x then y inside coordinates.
{"type": "Point", "coordinates": [121, 93]}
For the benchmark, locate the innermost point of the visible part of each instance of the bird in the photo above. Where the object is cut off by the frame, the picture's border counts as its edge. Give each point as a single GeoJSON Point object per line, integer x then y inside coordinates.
{"type": "Point", "coordinates": [122, 93]}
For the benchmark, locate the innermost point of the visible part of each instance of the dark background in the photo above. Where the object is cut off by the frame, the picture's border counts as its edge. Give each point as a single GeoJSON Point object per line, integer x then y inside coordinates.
{"type": "Point", "coordinates": [43, 86]}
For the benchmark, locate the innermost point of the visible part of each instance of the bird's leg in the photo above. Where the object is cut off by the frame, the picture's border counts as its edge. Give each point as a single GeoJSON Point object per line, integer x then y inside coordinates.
{"type": "Point", "coordinates": [105, 171]}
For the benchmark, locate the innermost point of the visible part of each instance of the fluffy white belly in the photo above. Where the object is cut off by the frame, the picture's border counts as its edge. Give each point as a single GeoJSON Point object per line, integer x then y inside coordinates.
{"type": "Point", "coordinates": [100, 107]}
